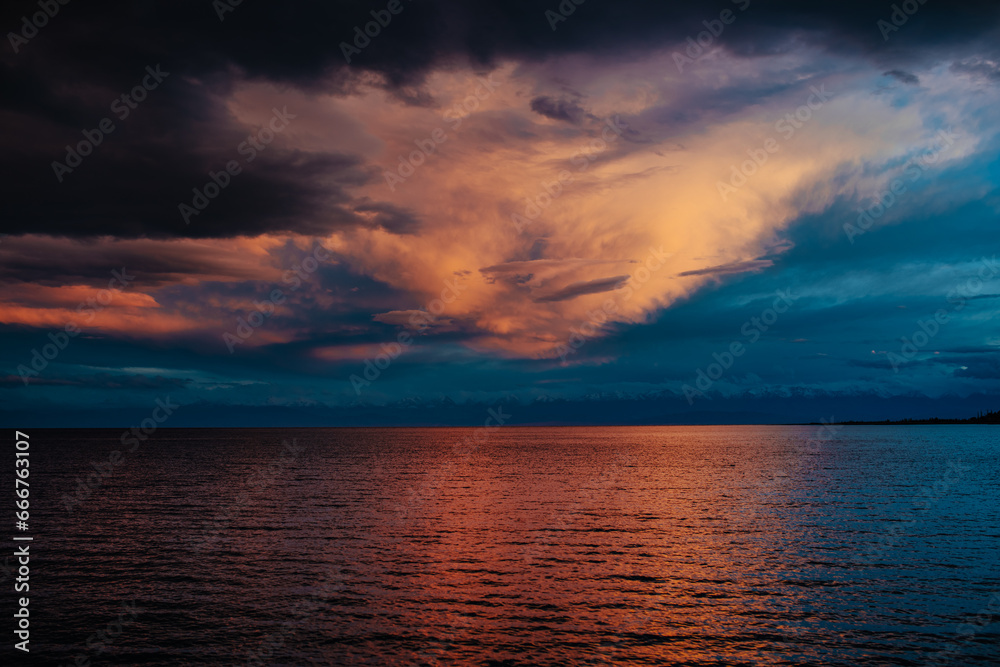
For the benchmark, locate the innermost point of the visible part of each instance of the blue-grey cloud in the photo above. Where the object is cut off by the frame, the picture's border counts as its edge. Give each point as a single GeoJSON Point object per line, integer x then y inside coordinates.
{"type": "Point", "coordinates": [587, 287]}
{"type": "Point", "coordinates": [904, 77]}
{"type": "Point", "coordinates": [558, 109]}
{"type": "Point", "coordinates": [731, 268]}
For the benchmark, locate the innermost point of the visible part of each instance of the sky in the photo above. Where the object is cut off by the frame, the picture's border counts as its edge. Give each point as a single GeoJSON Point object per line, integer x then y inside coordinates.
{"type": "Point", "coordinates": [414, 212]}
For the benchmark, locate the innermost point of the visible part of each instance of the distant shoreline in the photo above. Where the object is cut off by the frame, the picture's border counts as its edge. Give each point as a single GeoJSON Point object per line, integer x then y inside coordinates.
{"type": "Point", "coordinates": [989, 418]}
{"type": "Point", "coordinates": [911, 422]}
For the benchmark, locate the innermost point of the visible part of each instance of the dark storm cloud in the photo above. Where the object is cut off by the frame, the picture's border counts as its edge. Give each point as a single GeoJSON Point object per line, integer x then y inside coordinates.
{"type": "Point", "coordinates": [62, 80]}
{"type": "Point", "coordinates": [302, 44]}
{"type": "Point", "coordinates": [52, 262]}
{"type": "Point", "coordinates": [133, 183]}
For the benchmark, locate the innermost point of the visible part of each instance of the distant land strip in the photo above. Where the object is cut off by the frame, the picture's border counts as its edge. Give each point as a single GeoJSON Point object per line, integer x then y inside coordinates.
{"type": "Point", "coordinates": [992, 417]}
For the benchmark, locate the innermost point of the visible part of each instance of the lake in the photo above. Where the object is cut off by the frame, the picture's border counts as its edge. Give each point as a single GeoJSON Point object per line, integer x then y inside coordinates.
{"type": "Point", "coordinates": [687, 545]}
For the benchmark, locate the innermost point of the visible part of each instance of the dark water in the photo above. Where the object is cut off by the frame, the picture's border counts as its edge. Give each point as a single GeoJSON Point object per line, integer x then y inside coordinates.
{"type": "Point", "coordinates": [562, 546]}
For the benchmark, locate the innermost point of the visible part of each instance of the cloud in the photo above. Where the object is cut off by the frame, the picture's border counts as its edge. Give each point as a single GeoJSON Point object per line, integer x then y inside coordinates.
{"type": "Point", "coordinates": [652, 186]}
{"type": "Point", "coordinates": [905, 77]}
{"type": "Point", "coordinates": [558, 109]}
{"type": "Point", "coordinates": [731, 268]}
{"type": "Point", "coordinates": [977, 67]}
{"type": "Point", "coordinates": [546, 266]}
{"type": "Point", "coordinates": [588, 287]}
{"type": "Point", "coordinates": [404, 318]}
{"type": "Point", "coordinates": [984, 368]}
{"type": "Point", "coordinates": [975, 349]}
{"type": "Point", "coordinates": [15, 382]}
{"type": "Point", "coordinates": [97, 382]}
{"type": "Point", "coordinates": [387, 216]}
{"type": "Point", "coordinates": [58, 262]}
{"type": "Point", "coordinates": [134, 184]}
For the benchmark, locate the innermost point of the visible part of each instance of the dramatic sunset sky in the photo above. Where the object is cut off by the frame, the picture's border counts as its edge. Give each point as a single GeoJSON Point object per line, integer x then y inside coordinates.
{"type": "Point", "coordinates": [597, 211]}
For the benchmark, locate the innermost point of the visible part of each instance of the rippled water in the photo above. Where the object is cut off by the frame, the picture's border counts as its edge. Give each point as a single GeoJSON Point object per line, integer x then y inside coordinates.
{"type": "Point", "coordinates": [543, 546]}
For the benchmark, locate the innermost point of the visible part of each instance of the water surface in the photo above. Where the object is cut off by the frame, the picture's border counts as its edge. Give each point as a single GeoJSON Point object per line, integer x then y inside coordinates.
{"type": "Point", "coordinates": [543, 546]}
